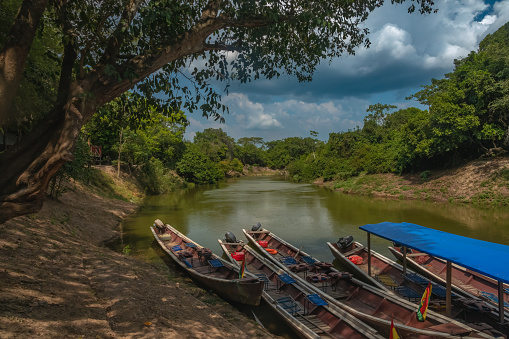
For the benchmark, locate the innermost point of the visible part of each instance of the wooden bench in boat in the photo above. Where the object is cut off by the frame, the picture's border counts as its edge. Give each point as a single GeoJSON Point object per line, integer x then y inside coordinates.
{"type": "Point", "coordinates": [387, 280]}
{"type": "Point", "coordinates": [314, 323]}
{"type": "Point", "coordinates": [355, 250]}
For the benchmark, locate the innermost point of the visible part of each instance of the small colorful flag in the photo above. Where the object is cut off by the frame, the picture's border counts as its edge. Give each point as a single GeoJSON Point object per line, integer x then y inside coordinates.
{"type": "Point", "coordinates": [394, 333]}
{"type": "Point", "coordinates": [242, 268]}
{"type": "Point", "coordinates": [423, 306]}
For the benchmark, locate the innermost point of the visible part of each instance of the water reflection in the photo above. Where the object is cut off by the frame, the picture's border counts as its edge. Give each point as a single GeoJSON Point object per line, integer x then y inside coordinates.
{"type": "Point", "coordinates": [303, 214]}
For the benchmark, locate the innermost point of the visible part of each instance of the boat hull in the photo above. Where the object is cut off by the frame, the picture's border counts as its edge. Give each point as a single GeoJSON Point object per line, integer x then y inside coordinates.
{"type": "Point", "coordinates": [247, 290]}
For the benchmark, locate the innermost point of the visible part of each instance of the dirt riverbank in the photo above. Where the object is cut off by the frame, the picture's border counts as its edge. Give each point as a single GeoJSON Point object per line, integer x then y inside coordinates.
{"type": "Point", "coordinates": [482, 182]}
{"type": "Point", "coordinates": [58, 281]}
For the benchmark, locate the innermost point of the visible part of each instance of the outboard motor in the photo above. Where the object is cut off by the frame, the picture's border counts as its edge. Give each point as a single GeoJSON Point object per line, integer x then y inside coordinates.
{"type": "Point", "coordinates": [256, 227]}
{"type": "Point", "coordinates": [230, 237]}
{"type": "Point", "coordinates": [158, 224]}
{"type": "Point", "coordinates": [344, 242]}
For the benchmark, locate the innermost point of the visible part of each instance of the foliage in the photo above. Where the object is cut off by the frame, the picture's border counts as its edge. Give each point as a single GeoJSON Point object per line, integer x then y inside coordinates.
{"type": "Point", "coordinates": [215, 144]}
{"type": "Point", "coordinates": [77, 169]}
{"type": "Point", "coordinates": [155, 178]}
{"type": "Point", "coordinates": [196, 167]}
{"type": "Point", "coordinates": [228, 166]}
{"type": "Point", "coordinates": [250, 150]}
{"type": "Point", "coordinates": [280, 153]}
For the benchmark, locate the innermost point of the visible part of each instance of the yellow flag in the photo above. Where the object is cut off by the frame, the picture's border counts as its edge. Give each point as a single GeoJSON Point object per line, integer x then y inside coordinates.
{"type": "Point", "coordinates": [394, 333]}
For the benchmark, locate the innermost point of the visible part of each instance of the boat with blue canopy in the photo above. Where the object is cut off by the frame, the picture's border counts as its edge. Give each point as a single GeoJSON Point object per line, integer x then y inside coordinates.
{"type": "Point", "coordinates": [453, 249]}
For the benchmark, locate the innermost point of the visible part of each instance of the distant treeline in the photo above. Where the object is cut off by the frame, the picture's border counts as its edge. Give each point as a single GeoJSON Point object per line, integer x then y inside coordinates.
{"type": "Point", "coordinates": [467, 117]}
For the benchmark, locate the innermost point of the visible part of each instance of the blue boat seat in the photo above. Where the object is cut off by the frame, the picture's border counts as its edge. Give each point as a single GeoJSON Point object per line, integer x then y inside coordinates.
{"type": "Point", "coordinates": [408, 293]}
{"type": "Point", "coordinates": [313, 299]}
{"type": "Point", "coordinates": [215, 263]}
{"type": "Point", "coordinates": [308, 260]}
{"type": "Point", "coordinates": [288, 261]}
{"type": "Point", "coordinates": [283, 279]}
{"type": "Point", "coordinates": [493, 298]}
{"type": "Point", "coordinates": [416, 278]}
{"type": "Point", "coordinates": [316, 300]}
{"type": "Point", "coordinates": [288, 304]}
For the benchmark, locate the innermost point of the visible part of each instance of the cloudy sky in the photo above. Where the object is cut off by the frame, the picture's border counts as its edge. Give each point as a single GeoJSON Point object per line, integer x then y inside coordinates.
{"type": "Point", "coordinates": [407, 50]}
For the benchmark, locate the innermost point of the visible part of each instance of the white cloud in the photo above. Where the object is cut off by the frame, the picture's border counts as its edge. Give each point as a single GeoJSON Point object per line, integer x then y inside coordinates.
{"type": "Point", "coordinates": [407, 50]}
{"type": "Point", "coordinates": [249, 114]}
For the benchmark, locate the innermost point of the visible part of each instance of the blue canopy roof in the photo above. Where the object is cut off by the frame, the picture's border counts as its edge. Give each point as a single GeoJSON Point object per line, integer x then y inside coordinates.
{"type": "Point", "coordinates": [484, 257]}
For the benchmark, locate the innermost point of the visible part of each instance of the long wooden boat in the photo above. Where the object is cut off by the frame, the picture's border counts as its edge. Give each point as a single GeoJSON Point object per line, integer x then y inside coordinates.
{"type": "Point", "coordinates": [411, 285]}
{"type": "Point", "coordinates": [207, 268]}
{"type": "Point", "coordinates": [372, 305]}
{"type": "Point", "coordinates": [291, 300]}
{"type": "Point", "coordinates": [358, 268]}
{"type": "Point", "coordinates": [464, 281]}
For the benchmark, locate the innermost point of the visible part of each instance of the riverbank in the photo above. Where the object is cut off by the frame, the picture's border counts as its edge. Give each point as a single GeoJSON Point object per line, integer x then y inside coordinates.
{"type": "Point", "coordinates": [481, 182]}
{"type": "Point", "coordinates": [57, 280]}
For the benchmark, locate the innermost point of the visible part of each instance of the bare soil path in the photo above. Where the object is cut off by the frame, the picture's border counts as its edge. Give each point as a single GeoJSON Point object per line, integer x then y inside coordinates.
{"type": "Point", "coordinates": [58, 281]}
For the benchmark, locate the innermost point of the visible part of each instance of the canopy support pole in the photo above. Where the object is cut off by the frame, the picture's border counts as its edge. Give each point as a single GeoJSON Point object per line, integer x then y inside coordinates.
{"type": "Point", "coordinates": [501, 301]}
{"type": "Point", "coordinates": [404, 260]}
{"type": "Point", "coordinates": [448, 289]}
{"type": "Point", "coordinates": [369, 254]}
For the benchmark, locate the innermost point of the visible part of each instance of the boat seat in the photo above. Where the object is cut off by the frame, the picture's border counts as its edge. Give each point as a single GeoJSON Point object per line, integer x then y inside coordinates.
{"type": "Point", "coordinates": [387, 280]}
{"type": "Point", "coordinates": [308, 260]}
{"type": "Point", "coordinates": [284, 279]}
{"type": "Point", "coordinates": [214, 263]}
{"type": "Point", "coordinates": [416, 278]}
{"type": "Point", "coordinates": [313, 299]}
{"type": "Point", "coordinates": [288, 304]}
{"type": "Point", "coordinates": [263, 277]}
{"type": "Point", "coordinates": [408, 293]}
{"type": "Point", "coordinates": [288, 261]}
{"type": "Point", "coordinates": [492, 297]}
{"type": "Point", "coordinates": [190, 245]}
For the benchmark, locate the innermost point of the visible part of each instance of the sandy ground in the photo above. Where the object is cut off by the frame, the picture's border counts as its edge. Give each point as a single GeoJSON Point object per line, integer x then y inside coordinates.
{"type": "Point", "coordinates": [58, 281]}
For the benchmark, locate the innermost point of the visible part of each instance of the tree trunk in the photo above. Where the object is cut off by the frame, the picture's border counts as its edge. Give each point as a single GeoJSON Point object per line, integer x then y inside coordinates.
{"type": "Point", "coordinates": [14, 54]}
{"type": "Point", "coordinates": [28, 166]}
{"type": "Point", "coordinates": [119, 152]}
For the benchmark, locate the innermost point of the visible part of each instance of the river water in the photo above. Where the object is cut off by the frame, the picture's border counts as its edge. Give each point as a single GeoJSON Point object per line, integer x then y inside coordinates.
{"type": "Point", "coordinates": [303, 214]}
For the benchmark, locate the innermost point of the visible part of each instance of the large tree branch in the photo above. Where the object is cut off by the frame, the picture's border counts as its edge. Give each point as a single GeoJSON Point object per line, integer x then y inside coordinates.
{"type": "Point", "coordinates": [116, 37]}
{"type": "Point", "coordinates": [14, 54]}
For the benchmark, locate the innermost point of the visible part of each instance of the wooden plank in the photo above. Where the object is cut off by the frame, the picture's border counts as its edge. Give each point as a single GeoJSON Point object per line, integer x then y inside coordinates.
{"type": "Point", "coordinates": [411, 255]}
{"type": "Point", "coordinates": [252, 232]}
{"type": "Point", "coordinates": [355, 250]}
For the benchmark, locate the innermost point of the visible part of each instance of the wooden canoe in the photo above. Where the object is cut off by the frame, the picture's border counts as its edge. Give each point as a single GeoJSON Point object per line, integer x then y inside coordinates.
{"type": "Point", "coordinates": [359, 271]}
{"type": "Point", "coordinates": [207, 268]}
{"type": "Point", "coordinates": [290, 302]}
{"type": "Point", "coordinates": [371, 305]}
{"type": "Point", "coordinates": [464, 282]}
{"type": "Point", "coordinates": [412, 285]}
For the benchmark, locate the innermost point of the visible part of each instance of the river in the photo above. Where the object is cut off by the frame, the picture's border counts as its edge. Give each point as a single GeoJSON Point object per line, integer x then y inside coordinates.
{"type": "Point", "coordinates": [303, 214]}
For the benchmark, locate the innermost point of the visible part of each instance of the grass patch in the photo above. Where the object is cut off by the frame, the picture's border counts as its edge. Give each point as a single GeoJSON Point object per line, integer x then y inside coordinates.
{"type": "Point", "coordinates": [104, 185]}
